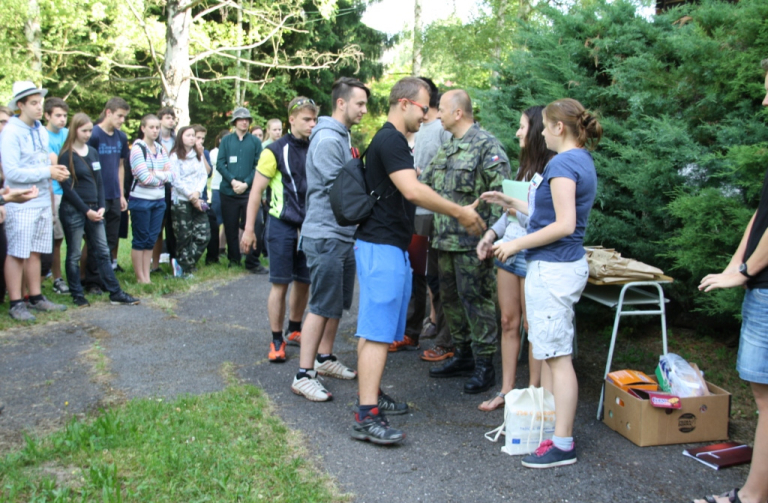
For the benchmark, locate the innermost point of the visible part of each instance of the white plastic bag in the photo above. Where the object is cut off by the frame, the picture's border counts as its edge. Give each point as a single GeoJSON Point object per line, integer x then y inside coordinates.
{"type": "Point", "coordinates": [684, 381]}
{"type": "Point", "coordinates": [529, 419]}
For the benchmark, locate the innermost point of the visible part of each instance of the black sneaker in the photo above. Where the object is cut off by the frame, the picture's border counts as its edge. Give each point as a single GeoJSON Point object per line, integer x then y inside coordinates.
{"type": "Point", "coordinates": [122, 298]}
{"type": "Point", "coordinates": [94, 290]}
{"type": "Point", "coordinates": [388, 405]}
{"type": "Point", "coordinates": [376, 429]}
{"type": "Point", "coordinates": [80, 301]}
{"type": "Point", "coordinates": [118, 268]}
{"type": "Point", "coordinates": [549, 456]}
{"type": "Point", "coordinates": [60, 286]}
{"type": "Point", "coordinates": [259, 269]}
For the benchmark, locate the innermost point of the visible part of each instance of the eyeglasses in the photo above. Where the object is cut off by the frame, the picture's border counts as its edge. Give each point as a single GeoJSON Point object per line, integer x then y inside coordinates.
{"type": "Point", "coordinates": [424, 109]}
{"type": "Point", "coordinates": [300, 103]}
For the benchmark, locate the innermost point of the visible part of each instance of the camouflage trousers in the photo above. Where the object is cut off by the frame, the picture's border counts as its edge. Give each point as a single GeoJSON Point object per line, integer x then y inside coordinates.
{"type": "Point", "coordinates": [467, 289]}
{"type": "Point", "coordinates": [192, 232]}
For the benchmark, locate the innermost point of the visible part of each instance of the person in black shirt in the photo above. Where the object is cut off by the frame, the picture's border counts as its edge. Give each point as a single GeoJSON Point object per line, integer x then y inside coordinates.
{"type": "Point", "coordinates": [383, 270]}
{"type": "Point", "coordinates": [82, 212]}
{"type": "Point", "coordinates": [748, 269]}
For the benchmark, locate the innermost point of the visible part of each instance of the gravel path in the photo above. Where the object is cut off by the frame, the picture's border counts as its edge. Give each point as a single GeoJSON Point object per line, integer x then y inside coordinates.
{"type": "Point", "coordinates": [181, 344]}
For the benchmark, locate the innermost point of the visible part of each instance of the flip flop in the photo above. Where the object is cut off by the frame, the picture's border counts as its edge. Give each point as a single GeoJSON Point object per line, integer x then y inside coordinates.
{"type": "Point", "coordinates": [733, 497]}
{"type": "Point", "coordinates": [498, 405]}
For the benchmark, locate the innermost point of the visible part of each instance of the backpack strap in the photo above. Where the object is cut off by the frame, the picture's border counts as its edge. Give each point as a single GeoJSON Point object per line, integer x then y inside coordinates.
{"type": "Point", "coordinates": [146, 153]}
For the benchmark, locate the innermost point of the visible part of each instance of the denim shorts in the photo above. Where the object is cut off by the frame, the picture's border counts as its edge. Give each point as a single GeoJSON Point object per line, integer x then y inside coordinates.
{"type": "Point", "coordinates": [286, 262]}
{"type": "Point", "coordinates": [331, 265]}
{"type": "Point", "coordinates": [551, 291]}
{"type": "Point", "coordinates": [384, 275]}
{"type": "Point", "coordinates": [517, 266]}
{"type": "Point", "coordinates": [752, 362]}
{"type": "Point", "coordinates": [146, 221]}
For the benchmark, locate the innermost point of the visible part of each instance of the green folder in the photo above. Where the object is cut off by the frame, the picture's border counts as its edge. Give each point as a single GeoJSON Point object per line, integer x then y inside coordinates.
{"type": "Point", "coordinates": [518, 190]}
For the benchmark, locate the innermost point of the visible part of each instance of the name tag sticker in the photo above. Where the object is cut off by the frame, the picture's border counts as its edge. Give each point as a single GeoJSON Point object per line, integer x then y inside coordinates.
{"type": "Point", "coordinates": [233, 158]}
{"type": "Point", "coordinates": [536, 180]}
{"type": "Point", "coordinates": [96, 166]}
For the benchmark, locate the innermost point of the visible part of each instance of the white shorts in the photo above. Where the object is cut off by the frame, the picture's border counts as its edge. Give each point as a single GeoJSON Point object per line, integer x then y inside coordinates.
{"type": "Point", "coordinates": [58, 230]}
{"type": "Point", "coordinates": [28, 230]}
{"type": "Point", "coordinates": [551, 290]}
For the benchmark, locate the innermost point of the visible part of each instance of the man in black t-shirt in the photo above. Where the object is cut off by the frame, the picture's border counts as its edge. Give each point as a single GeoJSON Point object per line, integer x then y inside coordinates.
{"type": "Point", "coordinates": [383, 270]}
{"type": "Point", "coordinates": [748, 269]}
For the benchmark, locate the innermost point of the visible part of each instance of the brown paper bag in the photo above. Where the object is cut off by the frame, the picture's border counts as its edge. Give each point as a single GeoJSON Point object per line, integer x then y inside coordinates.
{"type": "Point", "coordinates": [608, 266]}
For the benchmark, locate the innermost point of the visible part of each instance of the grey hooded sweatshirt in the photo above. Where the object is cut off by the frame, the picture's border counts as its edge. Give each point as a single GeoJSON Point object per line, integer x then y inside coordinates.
{"type": "Point", "coordinates": [24, 154]}
{"type": "Point", "coordinates": [329, 150]}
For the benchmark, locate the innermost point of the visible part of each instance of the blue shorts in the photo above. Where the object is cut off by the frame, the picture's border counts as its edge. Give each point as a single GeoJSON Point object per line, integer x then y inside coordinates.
{"type": "Point", "coordinates": [286, 262]}
{"type": "Point", "coordinates": [752, 362]}
{"type": "Point", "coordinates": [384, 276]}
{"type": "Point", "coordinates": [518, 267]}
{"type": "Point", "coordinates": [146, 221]}
{"type": "Point", "coordinates": [331, 265]}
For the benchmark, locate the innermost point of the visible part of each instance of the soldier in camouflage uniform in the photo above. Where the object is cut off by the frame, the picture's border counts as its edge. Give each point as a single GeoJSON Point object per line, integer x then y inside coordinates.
{"type": "Point", "coordinates": [471, 163]}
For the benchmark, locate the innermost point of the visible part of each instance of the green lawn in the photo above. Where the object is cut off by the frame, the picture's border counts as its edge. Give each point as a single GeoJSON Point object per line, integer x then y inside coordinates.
{"type": "Point", "coordinates": [224, 446]}
{"type": "Point", "coordinates": [162, 284]}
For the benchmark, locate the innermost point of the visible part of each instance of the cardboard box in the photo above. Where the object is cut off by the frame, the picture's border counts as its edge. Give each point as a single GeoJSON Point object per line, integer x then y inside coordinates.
{"type": "Point", "coordinates": [699, 419]}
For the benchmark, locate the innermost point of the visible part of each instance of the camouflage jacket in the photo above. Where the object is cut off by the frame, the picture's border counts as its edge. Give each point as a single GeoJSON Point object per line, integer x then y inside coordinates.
{"type": "Point", "coordinates": [461, 170]}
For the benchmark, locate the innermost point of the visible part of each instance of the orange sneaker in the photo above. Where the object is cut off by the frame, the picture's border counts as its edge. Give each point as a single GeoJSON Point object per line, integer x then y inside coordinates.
{"type": "Point", "coordinates": [276, 355]}
{"type": "Point", "coordinates": [407, 344]}
{"type": "Point", "coordinates": [293, 339]}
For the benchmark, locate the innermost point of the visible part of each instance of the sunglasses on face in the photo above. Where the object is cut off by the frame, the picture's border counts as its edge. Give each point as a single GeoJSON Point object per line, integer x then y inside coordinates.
{"type": "Point", "coordinates": [424, 109]}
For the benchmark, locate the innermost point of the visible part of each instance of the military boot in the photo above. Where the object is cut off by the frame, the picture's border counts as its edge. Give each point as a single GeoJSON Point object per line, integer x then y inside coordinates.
{"type": "Point", "coordinates": [483, 379]}
{"type": "Point", "coordinates": [462, 364]}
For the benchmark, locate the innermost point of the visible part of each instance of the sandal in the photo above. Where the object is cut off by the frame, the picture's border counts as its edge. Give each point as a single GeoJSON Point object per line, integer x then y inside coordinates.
{"type": "Point", "coordinates": [489, 408]}
{"type": "Point", "coordinates": [733, 497]}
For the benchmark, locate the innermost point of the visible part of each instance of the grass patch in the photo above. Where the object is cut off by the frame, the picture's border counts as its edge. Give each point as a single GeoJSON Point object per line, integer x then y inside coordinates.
{"type": "Point", "coordinates": [224, 446]}
{"type": "Point", "coordinates": [162, 284]}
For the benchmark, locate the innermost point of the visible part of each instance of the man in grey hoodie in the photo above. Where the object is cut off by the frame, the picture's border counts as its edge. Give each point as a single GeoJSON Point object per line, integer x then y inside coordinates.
{"type": "Point", "coordinates": [28, 227]}
{"type": "Point", "coordinates": [329, 247]}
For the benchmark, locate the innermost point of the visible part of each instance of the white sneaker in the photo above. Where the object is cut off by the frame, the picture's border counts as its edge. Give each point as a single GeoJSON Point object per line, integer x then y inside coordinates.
{"type": "Point", "coordinates": [310, 388]}
{"type": "Point", "coordinates": [164, 258]}
{"type": "Point", "coordinates": [334, 368]}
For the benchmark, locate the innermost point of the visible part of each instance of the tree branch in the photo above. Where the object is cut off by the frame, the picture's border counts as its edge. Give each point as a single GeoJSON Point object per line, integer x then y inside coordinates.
{"type": "Point", "coordinates": [102, 58]}
{"type": "Point", "coordinates": [151, 48]}
{"type": "Point", "coordinates": [259, 43]}
{"type": "Point", "coordinates": [230, 77]}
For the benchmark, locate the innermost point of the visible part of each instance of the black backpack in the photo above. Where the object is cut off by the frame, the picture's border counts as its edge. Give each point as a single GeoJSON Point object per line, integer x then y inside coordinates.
{"type": "Point", "coordinates": [351, 201]}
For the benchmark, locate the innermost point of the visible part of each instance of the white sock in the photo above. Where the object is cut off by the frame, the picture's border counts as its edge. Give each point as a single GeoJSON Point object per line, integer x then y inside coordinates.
{"type": "Point", "coordinates": [563, 443]}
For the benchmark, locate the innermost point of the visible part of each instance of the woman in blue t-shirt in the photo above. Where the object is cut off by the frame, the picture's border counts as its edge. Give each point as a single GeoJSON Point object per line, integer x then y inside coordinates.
{"type": "Point", "coordinates": [510, 279]}
{"type": "Point", "coordinates": [557, 266]}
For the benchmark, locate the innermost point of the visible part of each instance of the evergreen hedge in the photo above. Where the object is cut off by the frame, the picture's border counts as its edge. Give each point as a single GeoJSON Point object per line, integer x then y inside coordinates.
{"type": "Point", "coordinates": [684, 153]}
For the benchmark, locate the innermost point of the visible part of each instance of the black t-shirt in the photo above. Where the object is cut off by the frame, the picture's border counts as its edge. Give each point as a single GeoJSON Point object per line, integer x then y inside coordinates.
{"type": "Point", "coordinates": [755, 235]}
{"type": "Point", "coordinates": [391, 222]}
{"type": "Point", "coordinates": [85, 188]}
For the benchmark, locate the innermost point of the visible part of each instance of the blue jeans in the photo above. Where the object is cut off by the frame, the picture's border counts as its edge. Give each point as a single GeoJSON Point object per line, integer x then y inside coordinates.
{"type": "Point", "coordinates": [752, 361]}
{"type": "Point", "coordinates": [147, 221]}
{"type": "Point", "coordinates": [76, 224]}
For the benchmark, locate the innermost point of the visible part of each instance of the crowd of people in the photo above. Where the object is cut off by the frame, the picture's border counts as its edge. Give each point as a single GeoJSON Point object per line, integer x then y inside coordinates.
{"type": "Point", "coordinates": [434, 173]}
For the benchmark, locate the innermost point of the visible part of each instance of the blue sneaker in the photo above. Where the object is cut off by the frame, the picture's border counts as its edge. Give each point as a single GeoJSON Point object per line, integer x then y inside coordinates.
{"type": "Point", "coordinates": [549, 456]}
{"type": "Point", "coordinates": [178, 272]}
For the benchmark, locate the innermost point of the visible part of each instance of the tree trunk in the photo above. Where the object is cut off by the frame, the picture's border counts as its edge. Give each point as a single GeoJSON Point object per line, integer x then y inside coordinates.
{"type": "Point", "coordinates": [418, 42]}
{"type": "Point", "coordinates": [500, 14]}
{"type": "Point", "coordinates": [177, 70]}
{"type": "Point", "coordinates": [238, 67]}
{"type": "Point", "coordinates": [33, 34]}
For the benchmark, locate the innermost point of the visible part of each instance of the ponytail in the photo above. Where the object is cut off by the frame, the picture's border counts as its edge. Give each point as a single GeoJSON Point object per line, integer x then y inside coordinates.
{"type": "Point", "coordinates": [579, 122]}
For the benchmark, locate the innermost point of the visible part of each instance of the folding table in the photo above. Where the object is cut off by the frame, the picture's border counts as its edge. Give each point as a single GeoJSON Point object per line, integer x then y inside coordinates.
{"type": "Point", "coordinates": [630, 293]}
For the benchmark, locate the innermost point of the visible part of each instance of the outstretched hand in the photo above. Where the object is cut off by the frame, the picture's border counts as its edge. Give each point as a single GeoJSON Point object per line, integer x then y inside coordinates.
{"type": "Point", "coordinates": [470, 220]}
{"type": "Point", "coordinates": [496, 197]}
{"type": "Point", "coordinates": [722, 280]}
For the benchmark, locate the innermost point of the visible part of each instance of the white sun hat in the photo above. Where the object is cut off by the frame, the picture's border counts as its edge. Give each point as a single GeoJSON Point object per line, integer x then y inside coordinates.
{"type": "Point", "coordinates": [22, 89]}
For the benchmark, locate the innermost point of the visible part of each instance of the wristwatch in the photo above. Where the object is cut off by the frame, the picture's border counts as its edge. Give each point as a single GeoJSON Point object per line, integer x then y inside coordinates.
{"type": "Point", "coordinates": [743, 270]}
